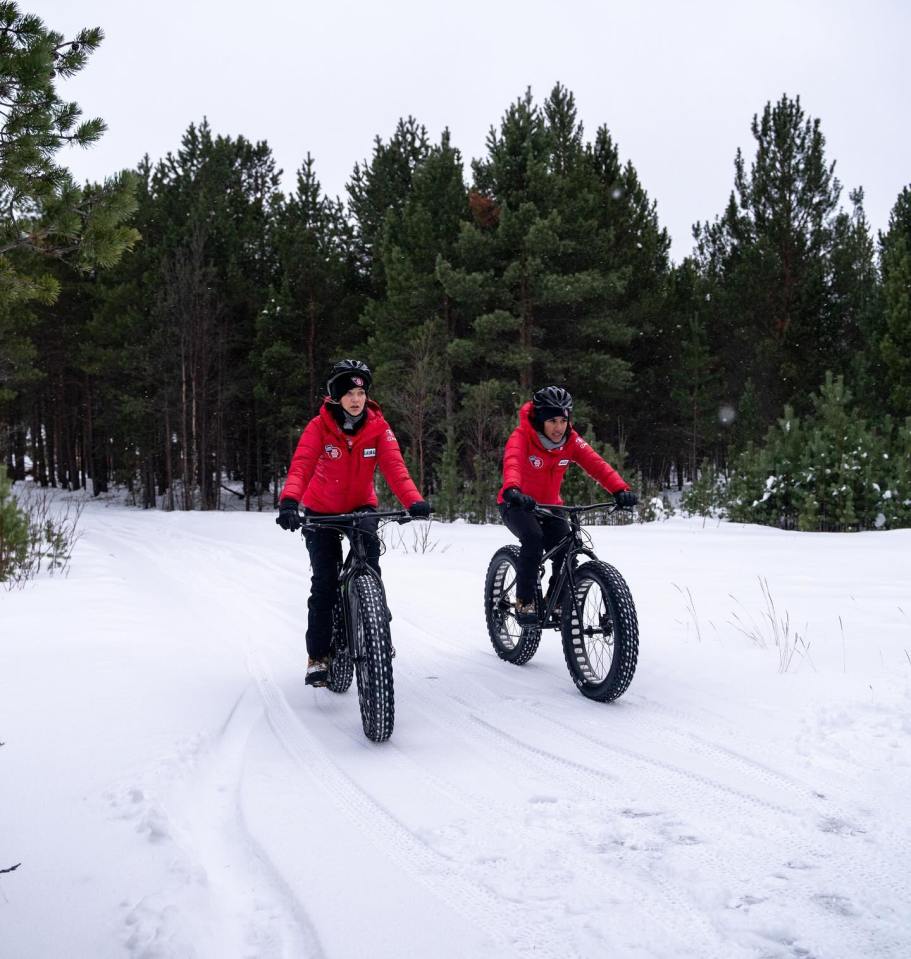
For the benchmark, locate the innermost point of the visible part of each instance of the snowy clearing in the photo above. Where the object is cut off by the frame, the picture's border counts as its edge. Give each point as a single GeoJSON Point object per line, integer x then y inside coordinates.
{"type": "Point", "coordinates": [173, 789]}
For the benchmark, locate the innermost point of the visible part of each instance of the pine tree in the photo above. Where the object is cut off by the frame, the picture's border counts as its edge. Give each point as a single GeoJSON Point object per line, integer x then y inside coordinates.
{"type": "Point", "coordinates": [895, 343]}
{"type": "Point", "coordinates": [218, 195]}
{"type": "Point", "coordinates": [310, 317]}
{"type": "Point", "coordinates": [538, 258]}
{"type": "Point", "coordinates": [378, 191]}
{"type": "Point", "coordinates": [635, 247]}
{"type": "Point", "coordinates": [410, 328]}
{"type": "Point", "coordinates": [44, 213]}
{"type": "Point", "coordinates": [45, 219]}
{"type": "Point", "coordinates": [768, 259]}
{"type": "Point", "coordinates": [855, 305]}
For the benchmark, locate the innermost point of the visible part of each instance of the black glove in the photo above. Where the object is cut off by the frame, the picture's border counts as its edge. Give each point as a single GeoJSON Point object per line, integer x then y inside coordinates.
{"type": "Point", "coordinates": [515, 497]}
{"type": "Point", "coordinates": [288, 516]}
{"type": "Point", "coordinates": [419, 510]}
{"type": "Point", "coordinates": [626, 499]}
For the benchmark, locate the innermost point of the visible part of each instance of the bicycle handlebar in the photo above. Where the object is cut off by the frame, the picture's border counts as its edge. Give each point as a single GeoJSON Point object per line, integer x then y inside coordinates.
{"type": "Point", "coordinates": [328, 520]}
{"type": "Point", "coordinates": [546, 507]}
{"type": "Point", "coordinates": [399, 515]}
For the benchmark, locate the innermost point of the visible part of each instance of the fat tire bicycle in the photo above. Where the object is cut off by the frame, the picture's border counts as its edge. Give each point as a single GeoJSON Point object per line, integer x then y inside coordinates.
{"type": "Point", "coordinates": [361, 643]}
{"type": "Point", "coordinates": [590, 604]}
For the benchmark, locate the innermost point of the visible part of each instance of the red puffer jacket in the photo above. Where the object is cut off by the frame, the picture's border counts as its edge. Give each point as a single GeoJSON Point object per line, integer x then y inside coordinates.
{"type": "Point", "coordinates": [539, 472]}
{"type": "Point", "coordinates": [332, 472]}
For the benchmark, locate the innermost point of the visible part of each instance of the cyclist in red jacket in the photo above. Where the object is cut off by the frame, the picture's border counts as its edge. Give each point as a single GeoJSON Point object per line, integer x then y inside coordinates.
{"type": "Point", "coordinates": [332, 472]}
{"type": "Point", "coordinates": [534, 463]}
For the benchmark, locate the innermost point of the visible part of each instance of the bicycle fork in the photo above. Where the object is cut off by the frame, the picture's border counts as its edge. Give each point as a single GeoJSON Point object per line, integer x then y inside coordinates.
{"type": "Point", "coordinates": [347, 601]}
{"type": "Point", "coordinates": [565, 579]}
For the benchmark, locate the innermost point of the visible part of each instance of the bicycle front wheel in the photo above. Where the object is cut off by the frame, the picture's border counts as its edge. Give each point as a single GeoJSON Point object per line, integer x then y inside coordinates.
{"type": "Point", "coordinates": [600, 632]}
{"type": "Point", "coordinates": [373, 661]}
{"type": "Point", "coordinates": [512, 642]}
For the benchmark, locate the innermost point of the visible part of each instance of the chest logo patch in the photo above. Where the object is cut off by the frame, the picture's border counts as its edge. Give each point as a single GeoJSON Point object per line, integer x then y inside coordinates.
{"type": "Point", "coordinates": [536, 462]}
{"type": "Point", "coordinates": [563, 463]}
{"type": "Point", "coordinates": [370, 452]}
{"type": "Point", "coordinates": [333, 452]}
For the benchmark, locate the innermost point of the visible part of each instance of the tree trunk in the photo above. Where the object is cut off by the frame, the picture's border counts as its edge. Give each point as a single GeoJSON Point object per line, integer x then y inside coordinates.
{"type": "Point", "coordinates": [248, 464]}
{"type": "Point", "coordinates": [168, 469]}
{"type": "Point", "coordinates": [38, 447]}
{"type": "Point", "coordinates": [18, 447]}
{"type": "Point", "coordinates": [51, 441]}
{"type": "Point", "coordinates": [185, 454]}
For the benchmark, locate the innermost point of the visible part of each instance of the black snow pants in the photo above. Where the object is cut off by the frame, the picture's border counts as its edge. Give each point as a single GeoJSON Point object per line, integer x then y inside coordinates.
{"type": "Point", "coordinates": [325, 549]}
{"type": "Point", "coordinates": [536, 534]}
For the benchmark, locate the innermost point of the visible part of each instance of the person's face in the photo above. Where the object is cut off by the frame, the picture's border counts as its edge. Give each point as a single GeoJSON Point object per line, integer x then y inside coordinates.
{"type": "Point", "coordinates": [354, 401]}
{"type": "Point", "coordinates": [555, 428]}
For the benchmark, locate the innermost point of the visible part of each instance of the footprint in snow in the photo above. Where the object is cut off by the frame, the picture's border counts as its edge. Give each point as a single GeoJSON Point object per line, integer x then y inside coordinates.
{"type": "Point", "coordinates": [839, 905]}
{"type": "Point", "coordinates": [840, 827]}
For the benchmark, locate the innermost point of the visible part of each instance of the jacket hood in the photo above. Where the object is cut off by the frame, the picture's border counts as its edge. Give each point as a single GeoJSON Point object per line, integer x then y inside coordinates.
{"type": "Point", "coordinates": [526, 425]}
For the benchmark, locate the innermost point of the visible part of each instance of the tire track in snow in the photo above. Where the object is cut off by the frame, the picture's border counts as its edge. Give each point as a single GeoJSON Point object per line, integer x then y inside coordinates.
{"type": "Point", "coordinates": [580, 862]}
{"type": "Point", "coordinates": [628, 886]}
{"type": "Point", "coordinates": [794, 846]}
{"type": "Point", "coordinates": [437, 873]}
{"type": "Point", "coordinates": [821, 804]}
{"type": "Point", "coordinates": [203, 816]}
{"type": "Point", "coordinates": [597, 783]}
{"type": "Point", "coordinates": [753, 767]}
{"type": "Point", "coordinates": [665, 898]}
{"type": "Point", "coordinates": [672, 771]}
{"type": "Point", "coordinates": [224, 845]}
{"type": "Point", "coordinates": [695, 784]}
{"type": "Point", "coordinates": [536, 930]}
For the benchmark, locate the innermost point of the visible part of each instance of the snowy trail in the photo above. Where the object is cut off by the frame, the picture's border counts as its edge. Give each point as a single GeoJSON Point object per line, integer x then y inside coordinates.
{"type": "Point", "coordinates": [205, 803]}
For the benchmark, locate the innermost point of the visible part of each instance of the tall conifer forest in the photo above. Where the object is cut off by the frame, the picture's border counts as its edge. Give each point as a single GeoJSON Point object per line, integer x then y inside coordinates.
{"type": "Point", "coordinates": [169, 331]}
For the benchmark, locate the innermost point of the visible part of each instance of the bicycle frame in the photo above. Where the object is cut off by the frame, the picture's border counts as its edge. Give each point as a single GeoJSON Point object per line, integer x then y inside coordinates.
{"type": "Point", "coordinates": [356, 560]}
{"type": "Point", "coordinates": [577, 547]}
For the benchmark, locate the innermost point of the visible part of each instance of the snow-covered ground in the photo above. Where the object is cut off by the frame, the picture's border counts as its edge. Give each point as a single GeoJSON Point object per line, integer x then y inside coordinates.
{"type": "Point", "coordinates": [173, 789]}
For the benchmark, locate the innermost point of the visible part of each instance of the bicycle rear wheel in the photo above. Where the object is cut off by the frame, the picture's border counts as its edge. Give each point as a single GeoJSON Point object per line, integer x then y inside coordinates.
{"type": "Point", "coordinates": [341, 667]}
{"type": "Point", "coordinates": [373, 662]}
{"type": "Point", "coordinates": [514, 643]}
{"type": "Point", "coordinates": [602, 646]}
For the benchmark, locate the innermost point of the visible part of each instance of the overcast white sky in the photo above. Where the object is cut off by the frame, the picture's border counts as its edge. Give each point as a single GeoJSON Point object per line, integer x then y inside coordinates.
{"type": "Point", "coordinates": [676, 82]}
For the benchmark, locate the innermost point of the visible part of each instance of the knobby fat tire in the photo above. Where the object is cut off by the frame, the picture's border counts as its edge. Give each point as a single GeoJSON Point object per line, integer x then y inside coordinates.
{"type": "Point", "coordinates": [617, 614]}
{"type": "Point", "coordinates": [341, 667]}
{"type": "Point", "coordinates": [373, 665]}
{"type": "Point", "coordinates": [513, 643]}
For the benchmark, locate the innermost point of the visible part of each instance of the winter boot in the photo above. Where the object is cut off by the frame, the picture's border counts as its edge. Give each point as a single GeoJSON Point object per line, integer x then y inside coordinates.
{"type": "Point", "coordinates": [526, 613]}
{"type": "Point", "coordinates": [317, 671]}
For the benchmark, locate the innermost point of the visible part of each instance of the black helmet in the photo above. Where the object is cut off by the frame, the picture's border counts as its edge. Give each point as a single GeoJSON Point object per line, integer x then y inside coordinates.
{"type": "Point", "coordinates": [348, 375]}
{"type": "Point", "coordinates": [551, 401]}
